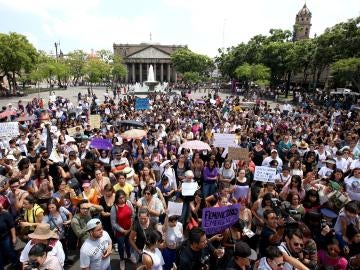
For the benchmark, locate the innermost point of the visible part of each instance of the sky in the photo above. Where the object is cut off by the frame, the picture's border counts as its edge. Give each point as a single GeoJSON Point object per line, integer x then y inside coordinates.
{"type": "Point", "coordinates": [202, 25]}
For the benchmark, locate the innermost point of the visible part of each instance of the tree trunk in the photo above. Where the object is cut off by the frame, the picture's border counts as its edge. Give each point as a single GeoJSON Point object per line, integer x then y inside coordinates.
{"type": "Point", "coordinates": [288, 84]}
{"type": "Point", "coordinates": [14, 83]}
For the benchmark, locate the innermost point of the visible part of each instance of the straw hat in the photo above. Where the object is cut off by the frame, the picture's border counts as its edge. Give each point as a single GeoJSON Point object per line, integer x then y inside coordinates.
{"type": "Point", "coordinates": [43, 232]}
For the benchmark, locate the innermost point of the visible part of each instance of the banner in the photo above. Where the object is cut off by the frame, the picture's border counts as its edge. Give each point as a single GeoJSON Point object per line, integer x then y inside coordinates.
{"type": "Point", "coordinates": [94, 121]}
{"type": "Point", "coordinates": [217, 219]}
{"type": "Point", "coordinates": [99, 143]}
{"type": "Point", "coordinates": [264, 174]}
{"type": "Point", "coordinates": [142, 104]}
{"type": "Point", "coordinates": [224, 140]}
{"type": "Point", "coordinates": [9, 129]}
{"type": "Point", "coordinates": [237, 153]}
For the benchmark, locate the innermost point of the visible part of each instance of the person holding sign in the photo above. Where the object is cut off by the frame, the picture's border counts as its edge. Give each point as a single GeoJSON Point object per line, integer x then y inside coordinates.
{"type": "Point", "coordinates": [188, 188]}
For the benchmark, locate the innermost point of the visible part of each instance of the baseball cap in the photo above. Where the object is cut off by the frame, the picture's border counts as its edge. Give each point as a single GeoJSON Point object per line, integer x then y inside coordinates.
{"type": "Point", "coordinates": [273, 150]}
{"type": "Point", "coordinates": [92, 223]}
{"type": "Point", "coordinates": [243, 250]}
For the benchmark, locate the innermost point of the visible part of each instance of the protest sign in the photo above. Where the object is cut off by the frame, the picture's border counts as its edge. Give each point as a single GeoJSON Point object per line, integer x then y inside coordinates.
{"type": "Point", "coordinates": [188, 189]}
{"type": "Point", "coordinates": [217, 219]}
{"type": "Point", "coordinates": [99, 143]}
{"type": "Point", "coordinates": [264, 174]}
{"type": "Point", "coordinates": [72, 131]}
{"type": "Point", "coordinates": [94, 121]}
{"type": "Point", "coordinates": [240, 192]}
{"type": "Point", "coordinates": [9, 129]}
{"type": "Point", "coordinates": [237, 153]}
{"type": "Point", "coordinates": [174, 208]}
{"type": "Point", "coordinates": [142, 104]}
{"type": "Point", "coordinates": [224, 140]}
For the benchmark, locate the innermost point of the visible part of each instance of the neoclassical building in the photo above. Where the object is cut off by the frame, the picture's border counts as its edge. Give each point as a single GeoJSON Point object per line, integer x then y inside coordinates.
{"type": "Point", "coordinates": [138, 58]}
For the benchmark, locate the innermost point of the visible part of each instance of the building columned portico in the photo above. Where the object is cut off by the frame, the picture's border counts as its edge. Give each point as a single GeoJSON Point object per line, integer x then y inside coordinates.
{"type": "Point", "coordinates": [138, 58]}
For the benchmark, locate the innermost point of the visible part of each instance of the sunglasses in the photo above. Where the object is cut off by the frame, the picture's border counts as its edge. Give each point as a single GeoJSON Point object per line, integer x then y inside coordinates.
{"type": "Point", "coordinates": [298, 245]}
{"type": "Point", "coordinates": [147, 193]}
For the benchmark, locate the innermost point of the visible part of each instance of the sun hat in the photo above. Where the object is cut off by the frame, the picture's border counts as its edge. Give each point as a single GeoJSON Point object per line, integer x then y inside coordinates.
{"type": "Point", "coordinates": [129, 172]}
{"type": "Point", "coordinates": [243, 250]}
{"type": "Point", "coordinates": [92, 223]}
{"type": "Point", "coordinates": [166, 162]}
{"type": "Point", "coordinates": [43, 232]}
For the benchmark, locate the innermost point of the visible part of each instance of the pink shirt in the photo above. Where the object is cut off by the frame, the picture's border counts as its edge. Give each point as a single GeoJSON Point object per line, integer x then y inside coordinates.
{"type": "Point", "coordinates": [326, 260]}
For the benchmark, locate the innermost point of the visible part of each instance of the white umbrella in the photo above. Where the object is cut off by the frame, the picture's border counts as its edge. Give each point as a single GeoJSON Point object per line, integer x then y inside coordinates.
{"type": "Point", "coordinates": [195, 145]}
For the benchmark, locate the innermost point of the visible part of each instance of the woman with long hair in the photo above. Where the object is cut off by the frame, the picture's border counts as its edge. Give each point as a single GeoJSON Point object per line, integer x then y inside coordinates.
{"type": "Point", "coordinates": [151, 203]}
{"type": "Point", "coordinates": [197, 166]}
{"type": "Point", "coordinates": [210, 174]}
{"type": "Point", "coordinates": [173, 237]}
{"type": "Point", "coordinates": [296, 168]}
{"type": "Point", "coordinates": [40, 259]}
{"type": "Point", "coordinates": [152, 257]}
{"type": "Point", "coordinates": [122, 217]}
{"type": "Point", "coordinates": [293, 185]}
{"type": "Point", "coordinates": [107, 202]}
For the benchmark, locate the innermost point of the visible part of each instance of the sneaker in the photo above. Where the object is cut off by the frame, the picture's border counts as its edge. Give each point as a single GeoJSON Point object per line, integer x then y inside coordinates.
{"type": "Point", "coordinates": [133, 259]}
{"type": "Point", "coordinates": [122, 265]}
{"type": "Point", "coordinates": [116, 247]}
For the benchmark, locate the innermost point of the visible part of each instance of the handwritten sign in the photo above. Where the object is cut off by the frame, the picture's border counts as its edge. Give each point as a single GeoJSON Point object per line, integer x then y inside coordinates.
{"type": "Point", "coordinates": [142, 104]}
{"type": "Point", "coordinates": [175, 208]}
{"type": "Point", "coordinates": [238, 153]}
{"type": "Point", "coordinates": [72, 131]}
{"type": "Point", "coordinates": [264, 174]}
{"type": "Point", "coordinates": [224, 140]}
{"type": "Point", "coordinates": [217, 219]}
{"type": "Point", "coordinates": [188, 189]}
{"type": "Point", "coordinates": [9, 129]}
{"type": "Point", "coordinates": [99, 143]}
{"type": "Point", "coordinates": [94, 121]}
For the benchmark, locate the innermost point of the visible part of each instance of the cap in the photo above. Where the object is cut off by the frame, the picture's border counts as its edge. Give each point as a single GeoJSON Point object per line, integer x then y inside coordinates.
{"type": "Point", "coordinates": [243, 250]}
{"type": "Point", "coordinates": [273, 150]}
{"type": "Point", "coordinates": [92, 223]}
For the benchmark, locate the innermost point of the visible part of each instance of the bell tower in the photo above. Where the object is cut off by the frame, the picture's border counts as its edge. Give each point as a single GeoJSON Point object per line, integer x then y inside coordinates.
{"type": "Point", "coordinates": [302, 24]}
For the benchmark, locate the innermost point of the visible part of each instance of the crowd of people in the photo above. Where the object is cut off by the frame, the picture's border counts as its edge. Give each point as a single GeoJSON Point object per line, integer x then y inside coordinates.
{"type": "Point", "coordinates": [61, 193]}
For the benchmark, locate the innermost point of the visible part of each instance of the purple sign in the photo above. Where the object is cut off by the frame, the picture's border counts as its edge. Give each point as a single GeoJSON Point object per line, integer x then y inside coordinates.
{"type": "Point", "coordinates": [240, 192]}
{"type": "Point", "coordinates": [217, 219]}
{"type": "Point", "coordinates": [99, 143]}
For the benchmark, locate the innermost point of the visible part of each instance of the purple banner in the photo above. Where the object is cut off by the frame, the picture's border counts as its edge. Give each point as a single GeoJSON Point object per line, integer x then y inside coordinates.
{"type": "Point", "coordinates": [217, 219]}
{"type": "Point", "coordinates": [99, 143]}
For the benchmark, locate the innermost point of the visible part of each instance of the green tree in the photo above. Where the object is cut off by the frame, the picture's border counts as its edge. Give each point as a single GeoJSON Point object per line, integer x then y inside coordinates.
{"type": "Point", "coordinates": [17, 56]}
{"type": "Point", "coordinates": [252, 73]}
{"type": "Point", "coordinates": [185, 60]}
{"type": "Point", "coordinates": [76, 61]}
{"type": "Point", "coordinates": [96, 70]}
{"type": "Point", "coordinates": [118, 69]}
{"type": "Point", "coordinates": [347, 70]}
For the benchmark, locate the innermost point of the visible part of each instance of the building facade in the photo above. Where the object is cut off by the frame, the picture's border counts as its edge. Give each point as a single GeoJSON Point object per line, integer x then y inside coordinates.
{"type": "Point", "coordinates": [302, 24]}
{"type": "Point", "coordinates": [138, 58]}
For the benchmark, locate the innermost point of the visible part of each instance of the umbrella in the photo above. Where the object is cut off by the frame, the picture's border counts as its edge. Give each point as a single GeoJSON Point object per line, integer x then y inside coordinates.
{"type": "Point", "coordinates": [26, 118]}
{"type": "Point", "coordinates": [134, 134]}
{"type": "Point", "coordinates": [195, 145]}
{"type": "Point", "coordinates": [7, 113]}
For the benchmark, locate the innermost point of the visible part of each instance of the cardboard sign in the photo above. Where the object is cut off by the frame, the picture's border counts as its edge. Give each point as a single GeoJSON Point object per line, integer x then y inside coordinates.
{"type": "Point", "coordinates": [224, 140]}
{"type": "Point", "coordinates": [94, 121]}
{"type": "Point", "coordinates": [218, 219]}
{"type": "Point", "coordinates": [264, 174]}
{"type": "Point", "coordinates": [9, 129]}
{"type": "Point", "coordinates": [175, 208]}
{"type": "Point", "coordinates": [142, 104]}
{"type": "Point", "coordinates": [72, 131]}
{"type": "Point", "coordinates": [238, 153]}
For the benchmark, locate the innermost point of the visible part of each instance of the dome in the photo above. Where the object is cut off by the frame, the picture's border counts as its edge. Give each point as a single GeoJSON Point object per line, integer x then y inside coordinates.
{"type": "Point", "coordinates": [304, 11]}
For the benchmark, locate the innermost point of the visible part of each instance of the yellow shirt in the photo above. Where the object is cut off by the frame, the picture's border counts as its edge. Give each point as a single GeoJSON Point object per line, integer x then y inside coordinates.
{"type": "Point", "coordinates": [127, 188]}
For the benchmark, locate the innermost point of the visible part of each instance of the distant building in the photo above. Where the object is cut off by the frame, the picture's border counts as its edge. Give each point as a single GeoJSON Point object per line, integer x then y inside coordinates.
{"type": "Point", "coordinates": [138, 58]}
{"type": "Point", "coordinates": [302, 24]}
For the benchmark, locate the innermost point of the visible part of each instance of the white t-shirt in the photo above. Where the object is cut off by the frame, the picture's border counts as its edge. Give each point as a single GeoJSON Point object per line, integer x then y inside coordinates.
{"type": "Point", "coordinates": [91, 253]}
{"type": "Point", "coordinates": [57, 251]}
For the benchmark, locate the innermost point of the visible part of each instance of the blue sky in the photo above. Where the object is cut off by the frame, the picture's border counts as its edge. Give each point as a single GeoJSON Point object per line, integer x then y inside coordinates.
{"type": "Point", "coordinates": [203, 25]}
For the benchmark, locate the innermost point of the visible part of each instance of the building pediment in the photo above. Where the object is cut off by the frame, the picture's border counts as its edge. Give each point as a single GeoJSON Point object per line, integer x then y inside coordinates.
{"type": "Point", "coordinates": [150, 52]}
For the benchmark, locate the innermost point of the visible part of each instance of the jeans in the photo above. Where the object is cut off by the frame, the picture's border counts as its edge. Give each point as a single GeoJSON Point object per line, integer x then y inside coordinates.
{"type": "Point", "coordinates": [7, 253]}
{"type": "Point", "coordinates": [185, 212]}
{"type": "Point", "coordinates": [123, 241]}
{"type": "Point", "coordinates": [209, 189]}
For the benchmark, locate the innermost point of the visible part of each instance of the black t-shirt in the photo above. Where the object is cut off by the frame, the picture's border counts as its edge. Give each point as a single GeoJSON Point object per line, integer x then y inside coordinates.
{"type": "Point", "coordinates": [6, 223]}
{"type": "Point", "coordinates": [141, 233]}
{"type": "Point", "coordinates": [190, 259]}
{"type": "Point", "coordinates": [266, 233]}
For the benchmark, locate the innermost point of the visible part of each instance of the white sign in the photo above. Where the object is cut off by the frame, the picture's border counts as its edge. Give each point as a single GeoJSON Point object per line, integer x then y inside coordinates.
{"type": "Point", "coordinates": [188, 189]}
{"type": "Point", "coordinates": [224, 140]}
{"type": "Point", "coordinates": [264, 174]}
{"type": "Point", "coordinates": [175, 208]}
{"type": "Point", "coordinates": [9, 129]}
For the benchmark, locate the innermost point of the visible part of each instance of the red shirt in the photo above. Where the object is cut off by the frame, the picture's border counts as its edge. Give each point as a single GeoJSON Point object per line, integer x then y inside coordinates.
{"type": "Point", "coordinates": [123, 218]}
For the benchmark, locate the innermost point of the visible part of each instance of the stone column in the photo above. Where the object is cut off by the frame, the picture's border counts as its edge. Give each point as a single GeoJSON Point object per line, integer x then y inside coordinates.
{"type": "Point", "coordinates": [155, 72]}
{"type": "Point", "coordinates": [168, 72]}
{"type": "Point", "coordinates": [140, 72]}
{"type": "Point", "coordinates": [147, 71]}
{"type": "Point", "coordinates": [133, 72]}
{"type": "Point", "coordinates": [162, 72]}
{"type": "Point", "coordinates": [175, 76]}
